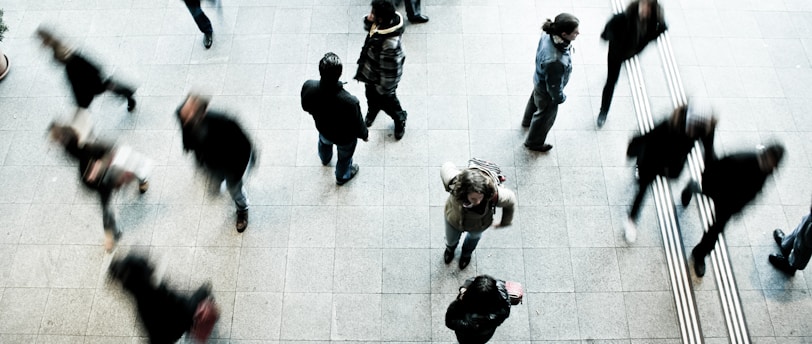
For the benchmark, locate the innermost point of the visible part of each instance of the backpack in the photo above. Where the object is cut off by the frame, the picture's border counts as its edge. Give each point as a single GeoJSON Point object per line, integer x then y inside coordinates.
{"type": "Point", "coordinates": [489, 168]}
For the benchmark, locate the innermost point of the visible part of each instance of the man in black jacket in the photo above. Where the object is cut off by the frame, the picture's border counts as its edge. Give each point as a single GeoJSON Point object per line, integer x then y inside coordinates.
{"type": "Point", "coordinates": [84, 76]}
{"type": "Point", "coordinates": [628, 33]}
{"type": "Point", "coordinates": [731, 182]}
{"type": "Point", "coordinates": [221, 147]}
{"type": "Point", "coordinates": [338, 117]}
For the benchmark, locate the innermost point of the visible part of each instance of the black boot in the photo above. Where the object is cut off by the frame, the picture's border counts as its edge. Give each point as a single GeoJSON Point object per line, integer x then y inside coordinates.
{"type": "Point", "coordinates": [781, 263]}
{"type": "Point", "coordinates": [400, 125]}
{"type": "Point", "coordinates": [688, 192]}
{"type": "Point", "coordinates": [699, 263]}
{"type": "Point", "coordinates": [464, 261]}
{"type": "Point", "coordinates": [448, 255]}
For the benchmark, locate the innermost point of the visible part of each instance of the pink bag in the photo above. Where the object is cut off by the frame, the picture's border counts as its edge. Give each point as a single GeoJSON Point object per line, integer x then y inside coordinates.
{"type": "Point", "coordinates": [206, 316]}
{"type": "Point", "coordinates": [515, 291]}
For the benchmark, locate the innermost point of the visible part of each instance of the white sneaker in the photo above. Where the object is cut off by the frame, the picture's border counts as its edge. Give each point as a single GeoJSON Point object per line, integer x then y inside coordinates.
{"type": "Point", "coordinates": [630, 231]}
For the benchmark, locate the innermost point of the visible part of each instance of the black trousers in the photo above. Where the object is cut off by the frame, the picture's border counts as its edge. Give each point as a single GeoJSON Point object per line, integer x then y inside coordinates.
{"type": "Point", "coordinates": [612, 74]}
{"type": "Point", "coordinates": [710, 238]}
{"type": "Point", "coordinates": [642, 187]}
{"type": "Point", "coordinates": [389, 103]}
{"type": "Point", "coordinates": [412, 8]}
{"type": "Point", "coordinates": [203, 22]}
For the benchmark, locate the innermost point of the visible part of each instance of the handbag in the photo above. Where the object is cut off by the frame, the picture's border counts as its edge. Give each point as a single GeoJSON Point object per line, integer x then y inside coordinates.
{"type": "Point", "coordinates": [205, 317]}
{"type": "Point", "coordinates": [515, 291]}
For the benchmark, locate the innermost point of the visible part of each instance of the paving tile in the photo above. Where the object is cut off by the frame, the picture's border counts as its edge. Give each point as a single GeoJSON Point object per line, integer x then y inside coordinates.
{"type": "Point", "coordinates": [406, 317]}
{"type": "Point", "coordinates": [257, 316]}
{"type": "Point", "coordinates": [67, 311]}
{"type": "Point", "coordinates": [358, 270]}
{"type": "Point", "coordinates": [356, 317]}
{"type": "Point", "coordinates": [306, 316]}
{"type": "Point", "coordinates": [595, 269]}
{"type": "Point", "coordinates": [309, 270]}
{"type": "Point", "coordinates": [552, 315]}
{"type": "Point", "coordinates": [21, 310]}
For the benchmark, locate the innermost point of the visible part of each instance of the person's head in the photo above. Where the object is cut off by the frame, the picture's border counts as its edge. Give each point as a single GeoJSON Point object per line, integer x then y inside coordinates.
{"type": "Point", "coordinates": [769, 157]}
{"type": "Point", "coordinates": [62, 134]}
{"type": "Point", "coordinates": [647, 9]}
{"type": "Point", "coordinates": [133, 271]}
{"type": "Point", "coordinates": [564, 26]}
{"type": "Point", "coordinates": [384, 11]}
{"type": "Point", "coordinates": [61, 51]}
{"type": "Point", "coordinates": [473, 188]}
{"type": "Point", "coordinates": [484, 293]}
{"type": "Point", "coordinates": [330, 67]}
{"type": "Point", "coordinates": [193, 109]}
{"type": "Point", "coordinates": [696, 119]}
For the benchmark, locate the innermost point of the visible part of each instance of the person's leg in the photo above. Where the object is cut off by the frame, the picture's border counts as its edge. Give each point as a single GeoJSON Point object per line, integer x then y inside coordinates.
{"type": "Point", "coordinates": [240, 196]}
{"type": "Point", "coordinates": [344, 162]}
{"type": "Point", "coordinates": [709, 240]}
{"type": "Point", "coordinates": [529, 109]}
{"type": "Point", "coordinates": [612, 75]}
{"type": "Point", "coordinates": [468, 246]}
{"type": "Point", "coordinates": [452, 236]}
{"type": "Point", "coordinates": [542, 122]}
{"type": "Point", "coordinates": [111, 231]}
{"type": "Point", "coordinates": [325, 150]}
{"type": "Point", "coordinates": [391, 105]}
{"type": "Point", "coordinates": [202, 21]}
{"type": "Point", "coordinates": [413, 12]}
{"type": "Point", "coordinates": [642, 187]}
{"type": "Point", "coordinates": [121, 90]}
{"type": "Point", "coordinates": [373, 104]}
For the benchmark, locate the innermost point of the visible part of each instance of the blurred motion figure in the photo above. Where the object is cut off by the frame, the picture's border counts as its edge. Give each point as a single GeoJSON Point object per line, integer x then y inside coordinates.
{"type": "Point", "coordinates": [796, 248]}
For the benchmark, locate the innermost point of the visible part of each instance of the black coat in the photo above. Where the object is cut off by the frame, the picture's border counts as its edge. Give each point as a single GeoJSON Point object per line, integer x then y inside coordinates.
{"type": "Point", "coordinates": [87, 154]}
{"type": "Point", "coordinates": [85, 79]}
{"type": "Point", "coordinates": [219, 144]}
{"type": "Point", "coordinates": [337, 113]}
{"type": "Point", "coordinates": [471, 323]}
{"type": "Point", "coordinates": [733, 181]}
{"type": "Point", "coordinates": [624, 36]}
{"type": "Point", "coordinates": [664, 149]}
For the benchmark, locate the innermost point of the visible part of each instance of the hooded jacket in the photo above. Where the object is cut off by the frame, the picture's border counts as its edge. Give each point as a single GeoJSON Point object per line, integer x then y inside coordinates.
{"type": "Point", "coordinates": [553, 67]}
{"type": "Point", "coordinates": [733, 181]}
{"type": "Point", "coordinates": [381, 60]}
{"type": "Point", "coordinates": [626, 37]}
{"type": "Point", "coordinates": [664, 149]}
{"type": "Point", "coordinates": [463, 219]}
{"type": "Point", "coordinates": [219, 144]}
{"type": "Point", "coordinates": [337, 113]}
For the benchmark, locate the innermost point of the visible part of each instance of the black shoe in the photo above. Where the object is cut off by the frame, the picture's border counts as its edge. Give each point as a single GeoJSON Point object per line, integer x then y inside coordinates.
{"type": "Point", "coordinates": [242, 220]}
{"type": "Point", "coordinates": [418, 19]}
{"type": "Point", "coordinates": [699, 264]}
{"type": "Point", "coordinates": [781, 263]}
{"type": "Point", "coordinates": [448, 255]}
{"type": "Point", "coordinates": [130, 104]}
{"type": "Point", "coordinates": [687, 193]}
{"type": "Point", "coordinates": [353, 172]}
{"type": "Point", "coordinates": [544, 148]}
{"type": "Point", "coordinates": [208, 40]}
{"type": "Point", "coordinates": [369, 119]}
{"type": "Point", "coordinates": [400, 129]}
{"type": "Point", "coordinates": [601, 119]}
{"type": "Point", "coordinates": [464, 261]}
{"type": "Point", "coordinates": [778, 235]}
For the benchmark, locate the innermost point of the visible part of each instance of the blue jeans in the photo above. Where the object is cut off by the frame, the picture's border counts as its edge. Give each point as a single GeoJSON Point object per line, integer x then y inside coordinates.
{"type": "Point", "coordinates": [452, 238]}
{"type": "Point", "coordinates": [345, 152]}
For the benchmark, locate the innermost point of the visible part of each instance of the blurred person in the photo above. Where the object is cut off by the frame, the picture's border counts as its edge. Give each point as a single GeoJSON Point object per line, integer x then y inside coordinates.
{"type": "Point", "coordinates": [628, 33]}
{"type": "Point", "coordinates": [338, 118]}
{"type": "Point", "coordinates": [470, 207]}
{"type": "Point", "coordinates": [731, 182]}
{"type": "Point", "coordinates": [381, 64]}
{"type": "Point", "coordinates": [796, 248]}
{"type": "Point", "coordinates": [202, 21]}
{"type": "Point", "coordinates": [220, 146]}
{"type": "Point", "coordinates": [165, 314]}
{"type": "Point", "coordinates": [84, 76]}
{"type": "Point", "coordinates": [553, 68]}
{"type": "Point", "coordinates": [104, 169]}
{"type": "Point", "coordinates": [480, 307]}
{"type": "Point", "coordinates": [664, 150]}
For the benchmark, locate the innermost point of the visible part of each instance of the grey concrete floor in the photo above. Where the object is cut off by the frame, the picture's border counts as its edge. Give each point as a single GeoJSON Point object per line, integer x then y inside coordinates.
{"type": "Point", "coordinates": [363, 262]}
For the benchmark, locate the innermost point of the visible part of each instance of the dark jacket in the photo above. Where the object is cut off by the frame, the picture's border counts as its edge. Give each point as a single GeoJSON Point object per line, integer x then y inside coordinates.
{"type": "Point", "coordinates": [85, 79]}
{"type": "Point", "coordinates": [337, 113]}
{"type": "Point", "coordinates": [664, 149]}
{"type": "Point", "coordinates": [219, 144]}
{"type": "Point", "coordinates": [471, 323]}
{"type": "Point", "coordinates": [381, 60]}
{"type": "Point", "coordinates": [87, 154]}
{"type": "Point", "coordinates": [627, 37]}
{"type": "Point", "coordinates": [553, 67]}
{"type": "Point", "coordinates": [733, 181]}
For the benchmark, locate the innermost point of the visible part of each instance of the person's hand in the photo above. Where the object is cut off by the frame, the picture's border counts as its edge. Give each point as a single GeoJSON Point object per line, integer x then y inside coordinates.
{"type": "Point", "coordinates": [371, 17]}
{"type": "Point", "coordinates": [497, 225]}
{"type": "Point", "coordinates": [366, 139]}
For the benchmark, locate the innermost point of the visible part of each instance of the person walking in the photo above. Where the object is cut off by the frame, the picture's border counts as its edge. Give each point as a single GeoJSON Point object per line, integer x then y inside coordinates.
{"type": "Point", "coordinates": [413, 12]}
{"type": "Point", "coordinates": [628, 33]}
{"type": "Point", "coordinates": [470, 207]}
{"type": "Point", "coordinates": [202, 21]}
{"type": "Point", "coordinates": [221, 147]}
{"type": "Point", "coordinates": [731, 182]}
{"type": "Point", "coordinates": [338, 118]}
{"type": "Point", "coordinates": [104, 169]}
{"type": "Point", "coordinates": [481, 306]}
{"type": "Point", "coordinates": [796, 248]}
{"type": "Point", "coordinates": [553, 68]}
{"type": "Point", "coordinates": [83, 75]}
{"type": "Point", "coordinates": [380, 65]}
{"type": "Point", "coordinates": [664, 150]}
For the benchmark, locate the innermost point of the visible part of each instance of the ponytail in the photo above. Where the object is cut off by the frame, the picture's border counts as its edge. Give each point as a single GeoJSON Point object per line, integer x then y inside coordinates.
{"type": "Point", "coordinates": [564, 23]}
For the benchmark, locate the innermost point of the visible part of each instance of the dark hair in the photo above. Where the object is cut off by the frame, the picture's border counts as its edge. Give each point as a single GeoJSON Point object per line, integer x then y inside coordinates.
{"type": "Point", "coordinates": [63, 134]}
{"type": "Point", "coordinates": [483, 293]}
{"type": "Point", "coordinates": [564, 23]}
{"type": "Point", "coordinates": [775, 152]}
{"type": "Point", "coordinates": [470, 180]}
{"type": "Point", "coordinates": [654, 7]}
{"type": "Point", "coordinates": [330, 67]}
{"type": "Point", "coordinates": [384, 11]}
{"type": "Point", "coordinates": [134, 272]}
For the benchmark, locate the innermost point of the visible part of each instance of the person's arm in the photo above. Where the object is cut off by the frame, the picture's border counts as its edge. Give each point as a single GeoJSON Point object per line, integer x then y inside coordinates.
{"type": "Point", "coordinates": [554, 75]}
{"type": "Point", "coordinates": [368, 21]}
{"type": "Point", "coordinates": [506, 201]}
{"type": "Point", "coordinates": [612, 29]}
{"type": "Point", "coordinates": [457, 319]}
{"type": "Point", "coordinates": [447, 172]}
{"type": "Point", "coordinates": [363, 132]}
{"type": "Point", "coordinates": [391, 62]}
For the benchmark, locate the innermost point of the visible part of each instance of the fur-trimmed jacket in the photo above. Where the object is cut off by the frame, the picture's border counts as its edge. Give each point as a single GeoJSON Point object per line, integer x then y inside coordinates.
{"type": "Point", "coordinates": [467, 220]}
{"type": "Point", "coordinates": [381, 60]}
